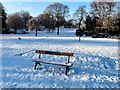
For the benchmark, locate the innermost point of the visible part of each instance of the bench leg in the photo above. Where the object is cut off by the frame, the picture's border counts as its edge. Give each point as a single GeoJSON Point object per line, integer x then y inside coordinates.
{"type": "Point", "coordinates": [67, 69]}
{"type": "Point", "coordinates": [36, 63]}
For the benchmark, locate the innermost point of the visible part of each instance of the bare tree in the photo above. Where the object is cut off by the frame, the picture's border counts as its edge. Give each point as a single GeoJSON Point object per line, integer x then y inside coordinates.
{"type": "Point", "coordinates": [15, 21]}
{"type": "Point", "coordinates": [57, 10]}
{"type": "Point", "coordinates": [35, 23]}
{"type": "Point", "coordinates": [26, 16]}
{"type": "Point", "coordinates": [105, 11]}
{"type": "Point", "coordinates": [80, 14]}
{"type": "Point", "coordinates": [47, 20]}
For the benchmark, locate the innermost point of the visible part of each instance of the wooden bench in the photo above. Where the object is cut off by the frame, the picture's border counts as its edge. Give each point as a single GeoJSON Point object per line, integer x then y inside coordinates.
{"type": "Point", "coordinates": [39, 60]}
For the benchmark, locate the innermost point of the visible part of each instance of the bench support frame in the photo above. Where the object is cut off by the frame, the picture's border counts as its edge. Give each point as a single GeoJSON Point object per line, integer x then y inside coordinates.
{"type": "Point", "coordinates": [54, 53]}
{"type": "Point", "coordinates": [36, 63]}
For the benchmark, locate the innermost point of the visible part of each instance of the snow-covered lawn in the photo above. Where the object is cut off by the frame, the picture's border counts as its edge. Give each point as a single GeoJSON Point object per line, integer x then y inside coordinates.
{"type": "Point", "coordinates": [95, 61]}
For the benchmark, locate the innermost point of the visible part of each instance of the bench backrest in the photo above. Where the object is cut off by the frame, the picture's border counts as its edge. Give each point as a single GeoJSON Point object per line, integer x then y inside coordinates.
{"type": "Point", "coordinates": [54, 53]}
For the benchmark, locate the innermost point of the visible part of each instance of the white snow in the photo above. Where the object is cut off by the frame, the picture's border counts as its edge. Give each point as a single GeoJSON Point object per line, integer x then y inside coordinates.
{"type": "Point", "coordinates": [95, 61]}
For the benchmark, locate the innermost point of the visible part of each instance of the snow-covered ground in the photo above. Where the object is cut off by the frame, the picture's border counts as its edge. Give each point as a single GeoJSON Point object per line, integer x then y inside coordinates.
{"type": "Point", "coordinates": [95, 61]}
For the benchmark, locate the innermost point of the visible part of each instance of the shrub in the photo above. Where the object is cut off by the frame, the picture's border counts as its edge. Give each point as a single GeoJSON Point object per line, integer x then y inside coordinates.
{"type": "Point", "coordinates": [87, 33]}
{"type": "Point", "coordinates": [79, 32]}
{"type": "Point", "coordinates": [99, 35]}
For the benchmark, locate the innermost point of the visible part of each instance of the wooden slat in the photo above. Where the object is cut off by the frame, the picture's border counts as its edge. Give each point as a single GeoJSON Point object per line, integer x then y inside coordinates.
{"type": "Point", "coordinates": [54, 63]}
{"type": "Point", "coordinates": [54, 53]}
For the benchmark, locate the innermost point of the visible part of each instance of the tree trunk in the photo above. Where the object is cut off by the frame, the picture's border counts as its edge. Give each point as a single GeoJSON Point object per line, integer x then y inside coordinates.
{"type": "Point", "coordinates": [79, 24]}
{"type": "Point", "coordinates": [58, 30]}
{"type": "Point", "coordinates": [15, 31]}
{"type": "Point", "coordinates": [58, 27]}
{"type": "Point", "coordinates": [36, 32]}
{"type": "Point", "coordinates": [79, 38]}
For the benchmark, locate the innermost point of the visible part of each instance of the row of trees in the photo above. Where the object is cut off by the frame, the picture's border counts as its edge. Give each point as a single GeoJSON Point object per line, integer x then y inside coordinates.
{"type": "Point", "coordinates": [103, 17]}
{"type": "Point", "coordinates": [18, 20]}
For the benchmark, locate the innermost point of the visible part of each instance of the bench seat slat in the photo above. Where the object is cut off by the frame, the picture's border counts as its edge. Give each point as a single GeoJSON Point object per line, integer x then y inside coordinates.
{"type": "Point", "coordinates": [54, 63]}
{"type": "Point", "coordinates": [54, 53]}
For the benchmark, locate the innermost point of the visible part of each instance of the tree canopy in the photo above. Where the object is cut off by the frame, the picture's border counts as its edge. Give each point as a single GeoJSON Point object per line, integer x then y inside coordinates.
{"type": "Point", "coordinates": [80, 14]}
{"type": "Point", "coordinates": [15, 21]}
{"type": "Point", "coordinates": [59, 11]}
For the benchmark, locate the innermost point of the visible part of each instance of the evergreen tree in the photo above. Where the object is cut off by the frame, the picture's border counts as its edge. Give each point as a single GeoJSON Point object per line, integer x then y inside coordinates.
{"type": "Point", "coordinates": [89, 23]}
{"type": "Point", "coordinates": [3, 15]}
